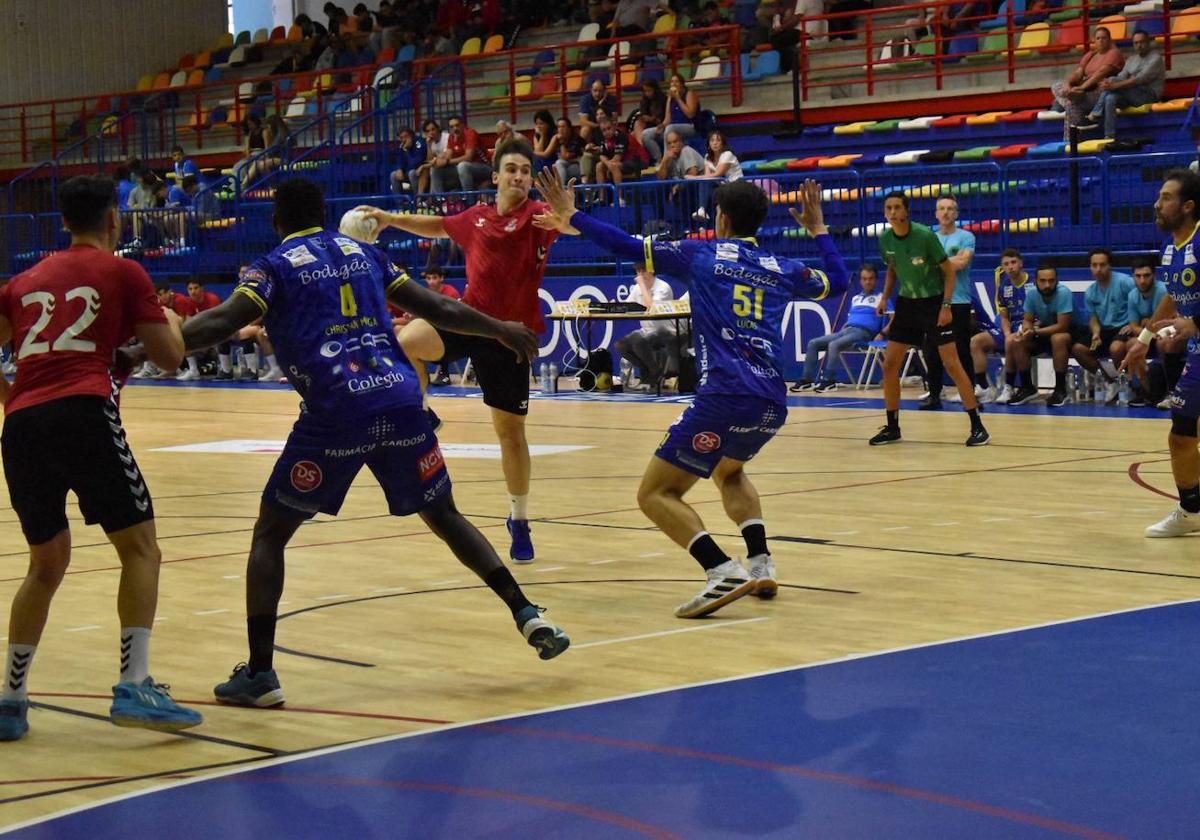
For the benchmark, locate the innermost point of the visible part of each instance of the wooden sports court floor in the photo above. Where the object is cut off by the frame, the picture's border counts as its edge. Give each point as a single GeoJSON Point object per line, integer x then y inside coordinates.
{"type": "Point", "coordinates": [897, 548]}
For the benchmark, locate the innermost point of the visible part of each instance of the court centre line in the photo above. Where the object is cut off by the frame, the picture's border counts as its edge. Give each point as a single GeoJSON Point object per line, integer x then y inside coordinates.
{"type": "Point", "coordinates": [445, 582]}
{"type": "Point", "coordinates": [615, 559]}
{"type": "Point", "coordinates": [647, 554]}
{"type": "Point", "coordinates": [714, 626]}
{"type": "Point", "coordinates": [330, 597]}
{"type": "Point", "coordinates": [390, 589]}
{"type": "Point", "coordinates": [84, 627]}
{"type": "Point", "coordinates": [210, 612]}
{"type": "Point", "coordinates": [896, 528]}
{"type": "Point", "coordinates": [997, 519]}
{"type": "Point", "coordinates": [548, 569]}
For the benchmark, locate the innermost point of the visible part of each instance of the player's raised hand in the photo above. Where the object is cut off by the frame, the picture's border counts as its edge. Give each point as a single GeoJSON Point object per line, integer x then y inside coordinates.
{"type": "Point", "coordinates": [1135, 359]}
{"type": "Point", "coordinates": [520, 339]}
{"type": "Point", "coordinates": [382, 217]}
{"type": "Point", "coordinates": [810, 215]}
{"type": "Point", "coordinates": [561, 199]}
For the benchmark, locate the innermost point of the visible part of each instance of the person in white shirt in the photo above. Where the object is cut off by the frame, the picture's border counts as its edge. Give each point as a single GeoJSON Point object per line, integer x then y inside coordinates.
{"type": "Point", "coordinates": [648, 348]}
{"type": "Point", "coordinates": [863, 324]}
{"type": "Point", "coordinates": [720, 165]}
{"type": "Point", "coordinates": [789, 24]}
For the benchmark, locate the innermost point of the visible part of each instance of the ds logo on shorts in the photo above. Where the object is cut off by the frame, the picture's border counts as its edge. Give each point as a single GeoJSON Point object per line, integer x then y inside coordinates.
{"type": "Point", "coordinates": [306, 476]}
{"type": "Point", "coordinates": [705, 442]}
{"type": "Point", "coordinates": [430, 463]}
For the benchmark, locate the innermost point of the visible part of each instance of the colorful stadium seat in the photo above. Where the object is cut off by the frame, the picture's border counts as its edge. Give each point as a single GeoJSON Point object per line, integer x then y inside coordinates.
{"type": "Point", "coordinates": [494, 43]}
{"type": "Point", "coordinates": [905, 158]}
{"type": "Point", "coordinates": [1091, 147]}
{"type": "Point", "coordinates": [804, 163]}
{"type": "Point", "coordinates": [1171, 105]}
{"type": "Point", "coordinates": [1186, 24]}
{"type": "Point", "coordinates": [471, 46]}
{"type": "Point", "coordinates": [917, 123]}
{"type": "Point", "coordinates": [1028, 115]}
{"type": "Point", "coordinates": [1068, 35]}
{"type": "Point", "coordinates": [1116, 26]}
{"type": "Point", "coordinates": [1017, 150]}
{"type": "Point", "coordinates": [990, 118]}
{"type": "Point", "coordinates": [953, 121]}
{"type": "Point", "coordinates": [1051, 116]}
{"type": "Point", "coordinates": [883, 126]}
{"type": "Point", "coordinates": [1034, 37]}
{"type": "Point", "coordinates": [1054, 148]}
{"type": "Point", "coordinates": [839, 161]}
{"type": "Point", "coordinates": [974, 154]}
{"type": "Point", "coordinates": [853, 128]}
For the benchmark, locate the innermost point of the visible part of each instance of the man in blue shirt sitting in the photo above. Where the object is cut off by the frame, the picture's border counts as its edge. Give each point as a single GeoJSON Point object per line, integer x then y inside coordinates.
{"type": "Point", "coordinates": [411, 155]}
{"type": "Point", "coordinates": [1107, 327]}
{"type": "Point", "coordinates": [863, 324]}
{"type": "Point", "coordinates": [1045, 328]}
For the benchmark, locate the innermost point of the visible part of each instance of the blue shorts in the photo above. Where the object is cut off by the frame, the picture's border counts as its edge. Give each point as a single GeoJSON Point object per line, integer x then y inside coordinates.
{"type": "Point", "coordinates": [322, 458]}
{"type": "Point", "coordinates": [997, 335]}
{"type": "Point", "coordinates": [716, 427]}
{"type": "Point", "coordinates": [1185, 399]}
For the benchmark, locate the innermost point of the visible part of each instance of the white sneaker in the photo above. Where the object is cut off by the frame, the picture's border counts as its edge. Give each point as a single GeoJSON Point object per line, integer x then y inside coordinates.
{"type": "Point", "coordinates": [188, 376]}
{"type": "Point", "coordinates": [1110, 370]}
{"type": "Point", "coordinates": [274, 374]}
{"type": "Point", "coordinates": [1165, 405]}
{"type": "Point", "coordinates": [923, 396]}
{"type": "Point", "coordinates": [763, 572]}
{"type": "Point", "coordinates": [148, 370]}
{"type": "Point", "coordinates": [700, 215]}
{"type": "Point", "coordinates": [1175, 524]}
{"type": "Point", "coordinates": [726, 583]}
{"type": "Point", "coordinates": [1005, 394]}
{"type": "Point", "coordinates": [951, 395]}
{"type": "Point", "coordinates": [1112, 391]}
{"type": "Point", "coordinates": [985, 395]}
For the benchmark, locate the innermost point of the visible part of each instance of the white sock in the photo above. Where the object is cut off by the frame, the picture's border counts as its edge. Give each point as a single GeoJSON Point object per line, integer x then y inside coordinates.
{"type": "Point", "coordinates": [224, 361]}
{"type": "Point", "coordinates": [193, 365]}
{"type": "Point", "coordinates": [135, 654]}
{"type": "Point", "coordinates": [271, 363]}
{"type": "Point", "coordinates": [20, 657]}
{"type": "Point", "coordinates": [518, 506]}
{"type": "Point", "coordinates": [250, 361]}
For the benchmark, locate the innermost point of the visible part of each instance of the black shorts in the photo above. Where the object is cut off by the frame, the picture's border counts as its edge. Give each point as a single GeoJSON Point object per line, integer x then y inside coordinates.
{"type": "Point", "coordinates": [917, 318]}
{"type": "Point", "coordinates": [503, 380]}
{"type": "Point", "coordinates": [72, 444]}
{"type": "Point", "coordinates": [1083, 335]}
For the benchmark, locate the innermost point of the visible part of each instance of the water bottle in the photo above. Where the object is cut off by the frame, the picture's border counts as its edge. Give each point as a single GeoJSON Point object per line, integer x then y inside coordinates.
{"type": "Point", "coordinates": [553, 378]}
{"type": "Point", "coordinates": [1078, 385]}
{"type": "Point", "coordinates": [544, 376]}
{"type": "Point", "coordinates": [1123, 394]}
{"type": "Point", "coordinates": [1098, 386]}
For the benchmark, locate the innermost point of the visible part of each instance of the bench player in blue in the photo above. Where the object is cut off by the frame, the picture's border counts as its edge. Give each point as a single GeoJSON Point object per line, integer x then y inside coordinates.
{"type": "Point", "coordinates": [322, 296]}
{"type": "Point", "coordinates": [739, 293]}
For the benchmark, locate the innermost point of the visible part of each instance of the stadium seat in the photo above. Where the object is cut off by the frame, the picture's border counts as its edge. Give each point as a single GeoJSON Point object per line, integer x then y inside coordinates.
{"type": "Point", "coordinates": [953, 121]}
{"type": "Point", "coordinates": [917, 123]}
{"type": "Point", "coordinates": [766, 64]}
{"type": "Point", "coordinates": [1033, 38]}
{"type": "Point", "coordinates": [938, 156]}
{"type": "Point", "coordinates": [1000, 21]}
{"type": "Point", "coordinates": [494, 43]}
{"type": "Point", "coordinates": [777, 165]}
{"type": "Point", "coordinates": [1091, 147]}
{"type": "Point", "coordinates": [544, 85]}
{"type": "Point", "coordinates": [295, 108]}
{"type": "Point", "coordinates": [161, 82]}
{"type": "Point", "coordinates": [242, 38]}
{"type": "Point", "coordinates": [1032, 225]}
{"type": "Point", "coordinates": [1051, 116]}
{"type": "Point", "coordinates": [145, 83]}
{"type": "Point", "coordinates": [260, 36]}
{"type": "Point", "coordinates": [179, 79]}
{"type": "Point", "coordinates": [621, 48]}
{"type": "Point", "coordinates": [1136, 110]}
{"type": "Point", "coordinates": [664, 23]}
{"type": "Point", "coordinates": [246, 92]}
{"type": "Point", "coordinates": [187, 62]}
{"type": "Point", "coordinates": [195, 77]}
{"type": "Point", "coordinates": [1028, 115]}
{"type": "Point", "coordinates": [628, 76]}
{"type": "Point", "coordinates": [386, 55]}
{"type": "Point", "coordinates": [239, 56]}
{"type": "Point", "coordinates": [1186, 25]}
{"type": "Point", "coordinates": [905, 158]}
{"type": "Point", "coordinates": [975, 154]}
{"type": "Point", "coordinates": [1171, 105]}
{"type": "Point", "coordinates": [573, 81]}
{"type": "Point", "coordinates": [853, 128]}
{"type": "Point", "coordinates": [990, 118]}
{"type": "Point", "coordinates": [1017, 150]}
{"type": "Point", "coordinates": [1116, 25]}
{"type": "Point", "coordinates": [294, 34]}
{"type": "Point", "coordinates": [218, 116]}
{"type": "Point", "coordinates": [471, 46]}
{"type": "Point", "coordinates": [802, 164]}
{"type": "Point", "coordinates": [882, 127]}
{"type": "Point", "coordinates": [961, 45]}
{"type": "Point", "coordinates": [196, 121]}
{"type": "Point", "coordinates": [709, 68]}
{"type": "Point", "coordinates": [212, 75]}
{"type": "Point", "coordinates": [278, 35]}
{"type": "Point", "coordinates": [838, 161]}
{"type": "Point", "coordinates": [991, 48]}
{"type": "Point", "coordinates": [1068, 35]}
{"type": "Point", "coordinates": [523, 87]}
{"type": "Point", "coordinates": [203, 60]}
{"type": "Point", "coordinates": [407, 53]}
{"type": "Point", "coordinates": [224, 42]}
{"type": "Point", "coordinates": [1070, 10]}
{"type": "Point", "coordinates": [1052, 149]}
{"type": "Point", "coordinates": [385, 77]}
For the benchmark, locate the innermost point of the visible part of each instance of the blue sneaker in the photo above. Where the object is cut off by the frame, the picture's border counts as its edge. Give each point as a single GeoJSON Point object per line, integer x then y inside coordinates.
{"type": "Point", "coordinates": [522, 544]}
{"type": "Point", "coordinates": [148, 705]}
{"type": "Point", "coordinates": [549, 641]}
{"type": "Point", "coordinates": [260, 691]}
{"type": "Point", "coordinates": [13, 724]}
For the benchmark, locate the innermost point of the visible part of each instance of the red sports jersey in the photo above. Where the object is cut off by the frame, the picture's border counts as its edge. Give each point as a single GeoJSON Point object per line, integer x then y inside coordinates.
{"type": "Point", "coordinates": [207, 302]}
{"type": "Point", "coordinates": [69, 313]}
{"type": "Point", "coordinates": [506, 258]}
{"type": "Point", "coordinates": [183, 305]}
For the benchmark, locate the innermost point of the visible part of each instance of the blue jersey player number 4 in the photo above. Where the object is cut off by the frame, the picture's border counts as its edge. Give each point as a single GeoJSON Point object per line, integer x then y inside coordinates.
{"type": "Point", "coordinates": [739, 293]}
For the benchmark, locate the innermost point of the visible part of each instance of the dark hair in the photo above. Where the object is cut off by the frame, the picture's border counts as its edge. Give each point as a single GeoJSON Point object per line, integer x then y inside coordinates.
{"type": "Point", "coordinates": [947, 197]}
{"type": "Point", "coordinates": [162, 286]}
{"type": "Point", "coordinates": [1094, 251]}
{"type": "Point", "coordinates": [1138, 31]}
{"type": "Point", "coordinates": [900, 194]}
{"type": "Point", "coordinates": [566, 119]}
{"type": "Point", "coordinates": [1011, 252]}
{"type": "Point", "coordinates": [708, 152]}
{"type": "Point", "coordinates": [195, 280]}
{"type": "Point", "coordinates": [871, 267]}
{"type": "Point", "coordinates": [544, 116]}
{"type": "Point", "coordinates": [299, 204]}
{"type": "Point", "coordinates": [518, 145]}
{"type": "Point", "coordinates": [433, 123]}
{"type": "Point", "coordinates": [175, 149]}
{"type": "Point", "coordinates": [148, 178]}
{"type": "Point", "coordinates": [1103, 29]}
{"type": "Point", "coordinates": [85, 200]}
{"type": "Point", "coordinates": [302, 19]}
{"type": "Point", "coordinates": [1189, 187]}
{"type": "Point", "coordinates": [454, 117]}
{"type": "Point", "coordinates": [745, 204]}
{"type": "Point", "coordinates": [121, 172]}
{"type": "Point", "coordinates": [1042, 268]}
{"type": "Point", "coordinates": [1143, 262]}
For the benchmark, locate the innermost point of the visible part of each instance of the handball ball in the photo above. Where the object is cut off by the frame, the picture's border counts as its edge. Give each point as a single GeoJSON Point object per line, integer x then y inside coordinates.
{"type": "Point", "coordinates": [358, 225]}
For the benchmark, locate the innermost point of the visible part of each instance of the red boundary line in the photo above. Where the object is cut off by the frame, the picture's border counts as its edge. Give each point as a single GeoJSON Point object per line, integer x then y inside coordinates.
{"type": "Point", "coordinates": [1137, 479]}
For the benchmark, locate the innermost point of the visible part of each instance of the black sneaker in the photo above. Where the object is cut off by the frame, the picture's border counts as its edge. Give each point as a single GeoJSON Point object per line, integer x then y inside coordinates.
{"type": "Point", "coordinates": [1023, 395]}
{"type": "Point", "coordinates": [435, 422]}
{"type": "Point", "coordinates": [802, 385]}
{"type": "Point", "coordinates": [930, 403]}
{"type": "Point", "coordinates": [979, 437]}
{"type": "Point", "coordinates": [1057, 398]}
{"type": "Point", "coordinates": [224, 375]}
{"type": "Point", "coordinates": [442, 378]}
{"type": "Point", "coordinates": [887, 434]}
{"type": "Point", "coordinates": [1140, 402]}
{"type": "Point", "coordinates": [825, 386]}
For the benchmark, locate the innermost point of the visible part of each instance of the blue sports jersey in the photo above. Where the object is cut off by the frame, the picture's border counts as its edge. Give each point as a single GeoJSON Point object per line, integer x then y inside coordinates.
{"type": "Point", "coordinates": [738, 294]}
{"type": "Point", "coordinates": [1045, 313]}
{"type": "Point", "coordinates": [1010, 297]}
{"type": "Point", "coordinates": [954, 242]}
{"type": "Point", "coordinates": [323, 295]}
{"type": "Point", "coordinates": [1179, 273]}
{"type": "Point", "coordinates": [1139, 307]}
{"type": "Point", "coordinates": [1107, 304]}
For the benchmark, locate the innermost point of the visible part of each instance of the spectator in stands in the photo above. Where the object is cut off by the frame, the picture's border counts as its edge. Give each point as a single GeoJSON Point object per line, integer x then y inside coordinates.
{"type": "Point", "coordinates": [464, 158]}
{"type": "Point", "coordinates": [720, 165]}
{"type": "Point", "coordinates": [545, 140]}
{"type": "Point", "coordinates": [709, 15]}
{"type": "Point", "coordinates": [275, 138]}
{"type": "Point", "coordinates": [596, 99]}
{"type": "Point", "coordinates": [364, 20]}
{"type": "Point", "coordinates": [1140, 81]}
{"type": "Point", "coordinates": [255, 143]}
{"type": "Point", "coordinates": [570, 151]}
{"type": "Point", "coordinates": [651, 111]}
{"type": "Point", "coordinates": [450, 18]}
{"type": "Point", "coordinates": [683, 107]}
{"type": "Point", "coordinates": [1010, 279]}
{"type": "Point", "coordinates": [193, 206]}
{"type": "Point", "coordinates": [483, 18]}
{"type": "Point", "coordinates": [1107, 327]}
{"type": "Point", "coordinates": [614, 157]}
{"type": "Point", "coordinates": [127, 175]}
{"type": "Point", "coordinates": [309, 28]}
{"type": "Point", "coordinates": [182, 165]}
{"type": "Point", "coordinates": [679, 161]}
{"type": "Point", "coordinates": [435, 145]}
{"type": "Point", "coordinates": [863, 324]}
{"type": "Point", "coordinates": [410, 157]}
{"type": "Point", "coordinates": [600, 12]}
{"type": "Point", "coordinates": [633, 17]}
{"type": "Point", "coordinates": [959, 246]}
{"type": "Point", "coordinates": [435, 280]}
{"type": "Point", "coordinates": [1046, 328]}
{"type": "Point", "coordinates": [649, 348]}
{"type": "Point", "coordinates": [962, 17]}
{"type": "Point", "coordinates": [793, 19]}
{"type": "Point", "coordinates": [142, 198]}
{"type": "Point", "coordinates": [334, 15]}
{"type": "Point", "coordinates": [1079, 92]}
{"type": "Point", "coordinates": [504, 133]}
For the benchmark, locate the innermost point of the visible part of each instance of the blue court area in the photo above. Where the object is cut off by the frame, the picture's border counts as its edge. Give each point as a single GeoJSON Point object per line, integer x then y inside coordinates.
{"type": "Point", "coordinates": [1084, 729]}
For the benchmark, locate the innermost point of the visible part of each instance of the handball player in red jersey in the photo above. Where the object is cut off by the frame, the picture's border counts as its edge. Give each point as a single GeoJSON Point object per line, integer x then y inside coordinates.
{"type": "Point", "coordinates": [506, 258]}
{"type": "Point", "coordinates": [66, 317]}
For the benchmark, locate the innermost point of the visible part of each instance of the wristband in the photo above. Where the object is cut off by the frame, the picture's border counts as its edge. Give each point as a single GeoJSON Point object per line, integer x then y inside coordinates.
{"type": "Point", "coordinates": [945, 304]}
{"type": "Point", "coordinates": [1146, 336]}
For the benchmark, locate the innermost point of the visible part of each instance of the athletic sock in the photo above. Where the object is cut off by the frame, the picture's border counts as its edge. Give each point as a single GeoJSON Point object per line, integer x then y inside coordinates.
{"type": "Point", "coordinates": [518, 507]}
{"type": "Point", "coordinates": [973, 413]}
{"type": "Point", "coordinates": [706, 551]}
{"type": "Point", "coordinates": [505, 586]}
{"type": "Point", "coordinates": [261, 629]}
{"type": "Point", "coordinates": [981, 379]}
{"type": "Point", "coordinates": [225, 362]}
{"type": "Point", "coordinates": [1010, 378]}
{"type": "Point", "coordinates": [271, 363]}
{"type": "Point", "coordinates": [1026, 377]}
{"type": "Point", "coordinates": [1060, 381]}
{"type": "Point", "coordinates": [754, 532]}
{"type": "Point", "coordinates": [1189, 500]}
{"type": "Point", "coordinates": [135, 654]}
{"type": "Point", "coordinates": [193, 364]}
{"type": "Point", "coordinates": [20, 657]}
{"type": "Point", "coordinates": [250, 361]}
{"type": "Point", "coordinates": [893, 419]}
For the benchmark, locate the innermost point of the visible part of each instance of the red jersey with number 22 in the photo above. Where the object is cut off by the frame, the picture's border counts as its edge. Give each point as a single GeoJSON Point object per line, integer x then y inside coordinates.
{"type": "Point", "coordinates": [506, 258]}
{"type": "Point", "coordinates": [69, 314]}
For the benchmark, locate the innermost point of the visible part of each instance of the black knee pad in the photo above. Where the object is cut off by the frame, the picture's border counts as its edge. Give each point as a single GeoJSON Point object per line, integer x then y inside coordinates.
{"type": "Point", "coordinates": [1183, 426]}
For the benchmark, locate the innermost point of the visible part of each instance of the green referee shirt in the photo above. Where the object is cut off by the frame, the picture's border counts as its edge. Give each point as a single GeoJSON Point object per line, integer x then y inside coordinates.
{"type": "Point", "coordinates": [917, 258]}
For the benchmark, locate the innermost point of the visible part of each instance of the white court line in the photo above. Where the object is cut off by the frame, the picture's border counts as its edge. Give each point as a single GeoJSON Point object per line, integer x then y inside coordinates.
{"type": "Point", "coordinates": [997, 519]}
{"type": "Point", "coordinates": [648, 554]}
{"type": "Point", "coordinates": [548, 569]}
{"type": "Point", "coordinates": [159, 618]}
{"type": "Point", "coordinates": [258, 765]}
{"type": "Point", "coordinates": [445, 582]}
{"type": "Point", "coordinates": [896, 528]}
{"type": "Point", "coordinates": [613, 560]}
{"type": "Point", "coordinates": [210, 612]}
{"type": "Point", "coordinates": [943, 524]}
{"type": "Point", "coordinates": [1042, 515]}
{"type": "Point", "coordinates": [330, 597]}
{"type": "Point", "coordinates": [391, 589]}
{"type": "Point", "coordinates": [842, 533]}
{"type": "Point", "coordinates": [84, 627]}
{"type": "Point", "coordinates": [231, 577]}
{"type": "Point", "coordinates": [712, 626]}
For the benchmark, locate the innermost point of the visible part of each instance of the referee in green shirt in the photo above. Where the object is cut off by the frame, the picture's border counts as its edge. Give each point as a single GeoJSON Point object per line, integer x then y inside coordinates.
{"type": "Point", "coordinates": [916, 259]}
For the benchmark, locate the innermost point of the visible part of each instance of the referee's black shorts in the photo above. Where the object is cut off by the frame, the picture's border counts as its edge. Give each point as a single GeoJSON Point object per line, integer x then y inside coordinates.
{"type": "Point", "coordinates": [72, 444]}
{"type": "Point", "coordinates": [916, 322]}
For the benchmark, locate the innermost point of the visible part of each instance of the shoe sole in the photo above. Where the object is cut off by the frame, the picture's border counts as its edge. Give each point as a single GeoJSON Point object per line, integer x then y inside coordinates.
{"type": "Point", "coordinates": [270, 700]}
{"type": "Point", "coordinates": [548, 643]}
{"type": "Point", "coordinates": [765, 588]}
{"type": "Point", "coordinates": [980, 442]}
{"type": "Point", "coordinates": [155, 725]}
{"type": "Point", "coordinates": [885, 442]}
{"type": "Point", "coordinates": [521, 561]}
{"type": "Point", "coordinates": [1167, 536]}
{"type": "Point", "coordinates": [716, 604]}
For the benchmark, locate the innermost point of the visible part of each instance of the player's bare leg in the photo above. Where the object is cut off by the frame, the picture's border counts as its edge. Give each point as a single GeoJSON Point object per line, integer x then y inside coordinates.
{"type": "Point", "coordinates": [740, 499]}
{"type": "Point", "coordinates": [422, 344]}
{"type": "Point", "coordinates": [660, 497]}
{"type": "Point", "coordinates": [893, 360]}
{"type": "Point", "coordinates": [514, 460]}
{"type": "Point", "coordinates": [949, 353]}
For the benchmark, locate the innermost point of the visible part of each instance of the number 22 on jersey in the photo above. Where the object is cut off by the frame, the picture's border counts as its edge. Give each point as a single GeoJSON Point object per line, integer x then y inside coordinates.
{"type": "Point", "coordinates": [68, 340]}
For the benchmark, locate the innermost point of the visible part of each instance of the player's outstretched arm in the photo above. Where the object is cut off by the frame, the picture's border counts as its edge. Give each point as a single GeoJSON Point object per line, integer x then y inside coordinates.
{"type": "Point", "coordinates": [429, 227]}
{"type": "Point", "coordinates": [812, 218]}
{"type": "Point", "coordinates": [220, 322]}
{"type": "Point", "coordinates": [450, 314]}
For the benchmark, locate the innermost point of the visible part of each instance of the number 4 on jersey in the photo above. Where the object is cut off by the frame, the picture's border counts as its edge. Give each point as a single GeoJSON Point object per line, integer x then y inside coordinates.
{"type": "Point", "coordinates": [31, 346]}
